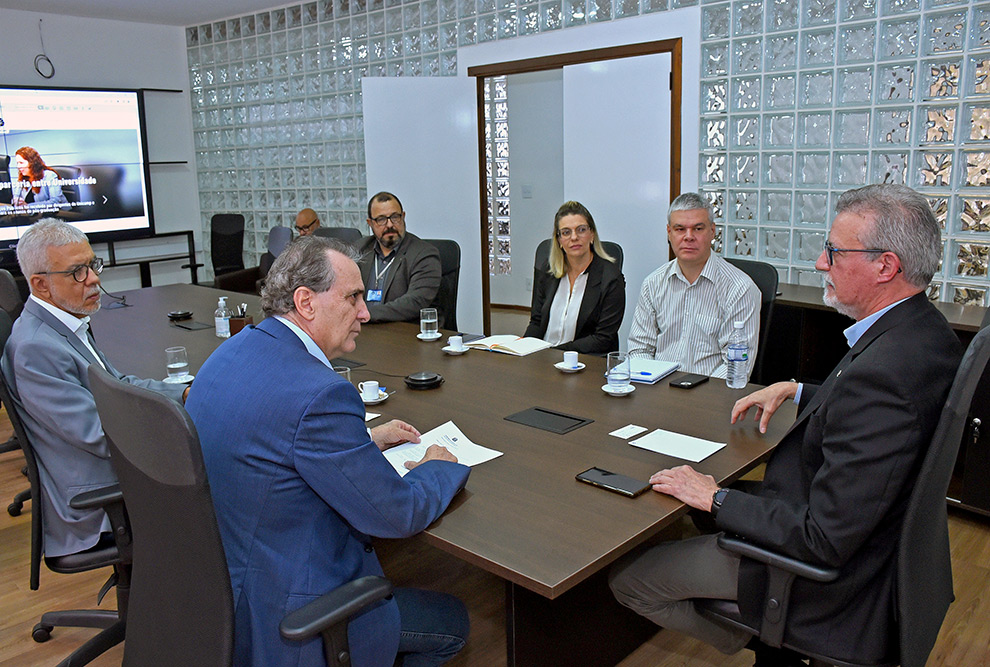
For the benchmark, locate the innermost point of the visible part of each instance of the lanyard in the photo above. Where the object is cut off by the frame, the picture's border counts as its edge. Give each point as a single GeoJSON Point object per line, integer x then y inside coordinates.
{"type": "Point", "coordinates": [383, 271]}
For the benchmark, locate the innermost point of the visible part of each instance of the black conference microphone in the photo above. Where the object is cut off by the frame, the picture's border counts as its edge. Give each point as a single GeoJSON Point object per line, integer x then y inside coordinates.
{"type": "Point", "coordinates": [119, 301]}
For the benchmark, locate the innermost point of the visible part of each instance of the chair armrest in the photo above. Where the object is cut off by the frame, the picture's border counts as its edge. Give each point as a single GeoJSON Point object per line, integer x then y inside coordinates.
{"type": "Point", "coordinates": [241, 280]}
{"type": "Point", "coordinates": [335, 607]}
{"type": "Point", "coordinates": [794, 566]}
{"type": "Point", "coordinates": [97, 498]}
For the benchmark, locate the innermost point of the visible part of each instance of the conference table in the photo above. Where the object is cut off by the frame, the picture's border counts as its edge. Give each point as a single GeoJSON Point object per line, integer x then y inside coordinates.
{"type": "Point", "coordinates": [522, 516]}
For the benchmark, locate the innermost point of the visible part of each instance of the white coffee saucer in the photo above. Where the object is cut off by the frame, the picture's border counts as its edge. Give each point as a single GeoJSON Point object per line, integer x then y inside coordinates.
{"type": "Point", "coordinates": [423, 336]}
{"type": "Point", "coordinates": [568, 369]}
{"type": "Point", "coordinates": [179, 379]}
{"type": "Point", "coordinates": [449, 350]}
{"type": "Point", "coordinates": [623, 392]}
{"type": "Point", "coordinates": [375, 401]}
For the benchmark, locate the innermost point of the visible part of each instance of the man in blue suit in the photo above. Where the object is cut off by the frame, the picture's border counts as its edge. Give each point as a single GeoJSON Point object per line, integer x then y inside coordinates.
{"type": "Point", "coordinates": [300, 484]}
{"type": "Point", "coordinates": [45, 366]}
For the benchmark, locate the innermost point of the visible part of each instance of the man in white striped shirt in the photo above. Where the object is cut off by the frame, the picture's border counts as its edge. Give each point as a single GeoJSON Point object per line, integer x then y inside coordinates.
{"type": "Point", "coordinates": [687, 307]}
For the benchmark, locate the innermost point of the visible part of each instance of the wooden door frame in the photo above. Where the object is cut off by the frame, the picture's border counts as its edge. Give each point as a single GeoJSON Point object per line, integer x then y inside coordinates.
{"type": "Point", "coordinates": [559, 61]}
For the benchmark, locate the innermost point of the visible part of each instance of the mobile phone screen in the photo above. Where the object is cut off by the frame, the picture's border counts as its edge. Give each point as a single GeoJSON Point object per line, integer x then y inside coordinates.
{"type": "Point", "coordinates": [611, 481]}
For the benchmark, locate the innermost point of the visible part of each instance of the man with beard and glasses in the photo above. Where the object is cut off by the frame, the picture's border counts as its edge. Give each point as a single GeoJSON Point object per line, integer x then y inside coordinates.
{"type": "Point", "coordinates": [401, 272]}
{"type": "Point", "coordinates": [836, 487]}
{"type": "Point", "coordinates": [45, 366]}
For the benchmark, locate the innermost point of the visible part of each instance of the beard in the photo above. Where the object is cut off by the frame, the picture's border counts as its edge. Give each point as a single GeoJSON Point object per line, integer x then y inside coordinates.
{"type": "Point", "coordinates": [831, 301]}
{"type": "Point", "coordinates": [81, 309]}
{"type": "Point", "coordinates": [390, 240]}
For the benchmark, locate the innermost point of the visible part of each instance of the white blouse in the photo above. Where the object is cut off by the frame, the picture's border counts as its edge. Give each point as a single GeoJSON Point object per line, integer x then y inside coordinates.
{"type": "Point", "coordinates": [564, 310]}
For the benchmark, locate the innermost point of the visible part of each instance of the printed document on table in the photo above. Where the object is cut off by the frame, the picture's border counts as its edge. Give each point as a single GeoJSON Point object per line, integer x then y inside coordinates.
{"type": "Point", "coordinates": [447, 435]}
{"type": "Point", "coordinates": [678, 445]}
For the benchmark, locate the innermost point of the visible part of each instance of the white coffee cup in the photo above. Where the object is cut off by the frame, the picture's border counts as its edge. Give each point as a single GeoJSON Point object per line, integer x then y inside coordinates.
{"type": "Point", "coordinates": [456, 343]}
{"type": "Point", "coordinates": [570, 359]}
{"type": "Point", "coordinates": [369, 390]}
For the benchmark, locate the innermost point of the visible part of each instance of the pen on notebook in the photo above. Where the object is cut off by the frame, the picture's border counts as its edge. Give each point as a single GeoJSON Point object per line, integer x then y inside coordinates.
{"type": "Point", "coordinates": [641, 373]}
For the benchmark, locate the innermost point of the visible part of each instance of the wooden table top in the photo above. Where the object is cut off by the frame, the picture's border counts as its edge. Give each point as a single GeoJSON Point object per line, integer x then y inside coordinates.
{"type": "Point", "coordinates": [522, 516]}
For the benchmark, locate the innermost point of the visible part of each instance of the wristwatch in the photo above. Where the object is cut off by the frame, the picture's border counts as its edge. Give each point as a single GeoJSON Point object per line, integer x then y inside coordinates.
{"type": "Point", "coordinates": [717, 499]}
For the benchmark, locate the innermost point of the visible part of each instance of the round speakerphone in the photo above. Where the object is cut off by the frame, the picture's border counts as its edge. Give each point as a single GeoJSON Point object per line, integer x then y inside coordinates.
{"type": "Point", "coordinates": [423, 380]}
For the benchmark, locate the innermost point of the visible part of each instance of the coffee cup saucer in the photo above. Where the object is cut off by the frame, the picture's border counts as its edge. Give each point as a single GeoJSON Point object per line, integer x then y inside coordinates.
{"type": "Point", "coordinates": [179, 379]}
{"type": "Point", "coordinates": [450, 350]}
{"type": "Point", "coordinates": [568, 369]}
{"type": "Point", "coordinates": [375, 401]}
{"type": "Point", "coordinates": [423, 336]}
{"type": "Point", "coordinates": [622, 392]}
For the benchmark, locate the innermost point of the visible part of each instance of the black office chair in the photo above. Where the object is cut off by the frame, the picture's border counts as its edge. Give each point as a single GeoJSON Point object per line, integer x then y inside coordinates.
{"type": "Point", "coordinates": [924, 568]}
{"type": "Point", "coordinates": [542, 260]}
{"type": "Point", "coordinates": [250, 280]}
{"type": "Point", "coordinates": [181, 606]}
{"type": "Point", "coordinates": [227, 242]}
{"type": "Point", "coordinates": [450, 271]}
{"type": "Point", "coordinates": [12, 304]}
{"type": "Point", "coordinates": [104, 554]}
{"type": "Point", "coordinates": [6, 192]}
{"type": "Point", "coordinates": [765, 277]}
{"type": "Point", "coordinates": [345, 234]}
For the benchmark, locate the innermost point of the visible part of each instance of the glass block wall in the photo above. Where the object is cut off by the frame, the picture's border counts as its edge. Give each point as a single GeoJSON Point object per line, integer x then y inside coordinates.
{"type": "Point", "coordinates": [804, 100]}
{"type": "Point", "coordinates": [801, 100]}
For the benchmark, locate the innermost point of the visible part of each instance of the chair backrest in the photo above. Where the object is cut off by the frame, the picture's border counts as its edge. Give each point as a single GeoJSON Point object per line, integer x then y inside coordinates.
{"type": "Point", "coordinates": [11, 301]}
{"type": "Point", "coordinates": [37, 532]}
{"type": "Point", "coordinates": [543, 253]}
{"type": "Point", "coordinates": [345, 234]}
{"type": "Point", "coordinates": [227, 242]}
{"type": "Point", "coordinates": [765, 277]}
{"type": "Point", "coordinates": [450, 272]}
{"type": "Point", "coordinates": [71, 192]}
{"type": "Point", "coordinates": [181, 606]}
{"type": "Point", "coordinates": [924, 567]}
{"type": "Point", "coordinates": [278, 239]}
{"type": "Point", "coordinates": [6, 193]}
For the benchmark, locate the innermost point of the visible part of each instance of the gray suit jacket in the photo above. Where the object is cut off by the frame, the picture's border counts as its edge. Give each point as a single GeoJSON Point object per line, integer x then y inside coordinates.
{"type": "Point", "coordinates": [45, 365]}
{"type": "Point", "coordinates": [411, 282]}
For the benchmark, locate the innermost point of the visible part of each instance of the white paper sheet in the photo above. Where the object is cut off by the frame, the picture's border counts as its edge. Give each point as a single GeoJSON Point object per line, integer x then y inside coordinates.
{"type": "Point", "coordinates": [368, 416]}
{"type": "Point", "coordinates": [678, 445]}
{"type": "Point", "coordinates": [627, 432]}
{"type": "Point", "coordinates": [447, 435]}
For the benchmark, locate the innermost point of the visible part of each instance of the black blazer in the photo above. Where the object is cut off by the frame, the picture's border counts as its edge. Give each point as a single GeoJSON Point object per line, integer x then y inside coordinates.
{"type": "Point", "coordinates": [836, 487]}
{"type": "Point", "coordinates": [601, 312]}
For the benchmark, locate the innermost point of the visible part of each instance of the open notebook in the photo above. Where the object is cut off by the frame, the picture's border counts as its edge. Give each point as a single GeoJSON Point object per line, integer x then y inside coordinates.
{"type": "Point", "coordinates": [509, 344]}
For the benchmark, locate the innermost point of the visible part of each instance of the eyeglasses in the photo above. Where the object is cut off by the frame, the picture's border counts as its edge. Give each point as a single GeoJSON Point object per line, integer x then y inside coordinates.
{"type": "Point", "coordinates": [306, 228]}
{"type": "Point", "coordinates": [81, 272]}
{"type": "Point", "coordinates": [395, 219]}
{"type": "Point", "coordinates": [577, 231]}
{"type": "Point", "coordinates": [830, 251]}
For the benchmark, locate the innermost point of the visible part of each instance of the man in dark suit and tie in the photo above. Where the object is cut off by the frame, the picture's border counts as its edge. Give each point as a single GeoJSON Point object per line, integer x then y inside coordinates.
{"type": "Point", "coordinates": [401, 272]}
{"type": "Point", "coordinates": [45, 365]}
{"type": "Point", "coordinates": [300, 484]}
{"type": "Point", "coordinates": [836, 487]}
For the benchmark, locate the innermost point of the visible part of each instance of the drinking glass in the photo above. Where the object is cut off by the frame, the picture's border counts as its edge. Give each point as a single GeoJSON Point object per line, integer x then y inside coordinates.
{"type": "Point", "coordinates": [428, 322]}
{"type": "Point", "coordinates": [617, 371]}
{"type": "Point", "coordinates": [176, 362]}
{"type": "Point", "coordinates": [343, 371]}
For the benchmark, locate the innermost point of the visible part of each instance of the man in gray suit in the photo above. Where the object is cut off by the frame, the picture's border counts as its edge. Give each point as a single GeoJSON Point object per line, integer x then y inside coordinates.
{"type": "Point", "coordinates": [45, 365]}
{"type": "Point", "coordinates": [401, 272]}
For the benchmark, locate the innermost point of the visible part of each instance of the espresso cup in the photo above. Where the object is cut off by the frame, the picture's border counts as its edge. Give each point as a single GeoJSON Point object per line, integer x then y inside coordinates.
{"type": "Point", "coordinates": [570, 359]}
{"type": "Point", "coordinates": [369, 390]}
{"type": "Point", "coordinates": [456, 343]}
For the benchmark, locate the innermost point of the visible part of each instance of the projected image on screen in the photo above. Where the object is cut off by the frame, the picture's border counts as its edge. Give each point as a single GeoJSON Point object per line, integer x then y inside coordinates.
{"type": "Point", "coordinates": [77, 155]}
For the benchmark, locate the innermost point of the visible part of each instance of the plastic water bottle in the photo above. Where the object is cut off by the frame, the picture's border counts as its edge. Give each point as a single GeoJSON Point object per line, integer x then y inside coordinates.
{"type": "Point", "coordinates": [737, 358]}
{"type": "Point", "coordinates": [222, 318]}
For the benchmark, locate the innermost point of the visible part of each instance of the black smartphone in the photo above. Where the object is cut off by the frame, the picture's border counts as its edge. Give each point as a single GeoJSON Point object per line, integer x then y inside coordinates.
{"type": "Point", "coordinates": [688, 380]}
{"type": "Point", "coordinates": [611, 481]}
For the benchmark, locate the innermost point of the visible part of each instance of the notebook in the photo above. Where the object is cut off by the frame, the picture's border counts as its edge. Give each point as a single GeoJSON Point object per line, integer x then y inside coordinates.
{"type": "Point", "coordinates": [650, 371]}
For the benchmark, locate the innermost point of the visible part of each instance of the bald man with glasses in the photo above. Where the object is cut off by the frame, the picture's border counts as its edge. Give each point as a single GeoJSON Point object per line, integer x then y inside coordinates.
{"type": "Point", "coordinates": [307, 222]}
{"type": "Point", "coordinates": [401, 271]}
{"type": "Point", "coordinates": [45, 364]}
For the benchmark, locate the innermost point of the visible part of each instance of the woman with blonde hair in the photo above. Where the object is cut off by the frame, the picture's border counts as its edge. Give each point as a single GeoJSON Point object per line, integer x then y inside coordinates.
{"type": "Point", "coordinates": [579, 296]}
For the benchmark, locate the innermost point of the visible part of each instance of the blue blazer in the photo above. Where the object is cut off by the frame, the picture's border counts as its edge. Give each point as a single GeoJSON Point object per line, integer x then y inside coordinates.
{"type": "Point", "coordinates": [299, 489]}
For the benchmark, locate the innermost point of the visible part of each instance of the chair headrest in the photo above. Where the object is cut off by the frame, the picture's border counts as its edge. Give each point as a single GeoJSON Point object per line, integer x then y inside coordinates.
{"type": "Point", "coordinates": [278, 239]}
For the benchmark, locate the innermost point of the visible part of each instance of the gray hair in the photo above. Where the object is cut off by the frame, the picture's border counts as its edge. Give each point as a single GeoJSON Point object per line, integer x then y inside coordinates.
{"type": "Point", "coordinates": [304, 263]}
{"type": "Point", "coordinates": [32, 248]}
{"type": "Point", "coordinates": [691, 201]}
{"type": "Point", "coordinates": [903, 223]}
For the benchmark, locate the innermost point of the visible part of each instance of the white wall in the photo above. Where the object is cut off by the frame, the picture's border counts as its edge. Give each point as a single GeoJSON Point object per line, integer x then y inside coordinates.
{"type": "Point", "coordinates": [536, 176]}
{"type": "Point", "coordinates": [117, 54]}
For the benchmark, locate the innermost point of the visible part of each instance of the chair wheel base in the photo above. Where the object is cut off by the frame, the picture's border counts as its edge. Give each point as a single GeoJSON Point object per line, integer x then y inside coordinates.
{"type": "Point", "coordinates": [14, 509]}
{"type": "Point", "coordinates": [42, 633]}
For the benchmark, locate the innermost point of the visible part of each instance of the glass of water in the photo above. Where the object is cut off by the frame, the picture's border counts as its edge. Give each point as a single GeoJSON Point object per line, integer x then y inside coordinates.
{"type": "Point", "coordinates": [428, 323]}
{"type": "Point", "coordinates": [177, 364]}
{"type": "Point", "coordinates": [617, 371]}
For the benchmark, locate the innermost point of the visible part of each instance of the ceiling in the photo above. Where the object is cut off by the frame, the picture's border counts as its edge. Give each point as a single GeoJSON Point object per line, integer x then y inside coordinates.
{"type": "Point", "coordinates": [166, 12]}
